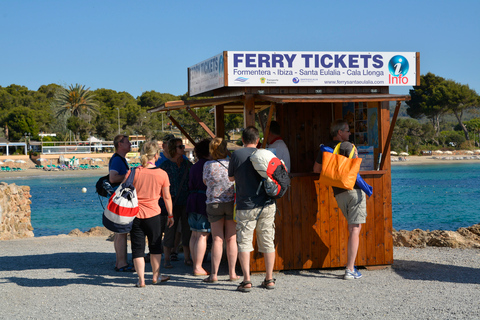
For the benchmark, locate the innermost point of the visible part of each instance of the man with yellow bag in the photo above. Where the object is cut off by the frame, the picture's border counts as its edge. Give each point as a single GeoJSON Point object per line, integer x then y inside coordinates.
{"type": "Point", "coordinates": [351, 202]}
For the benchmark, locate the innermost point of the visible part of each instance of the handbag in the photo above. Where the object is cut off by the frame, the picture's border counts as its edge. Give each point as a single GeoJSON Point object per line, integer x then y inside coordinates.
{"type": "Point", "coordinates": [339, 171]}
{"type": "Point", "coordinates": [122, 207]}
{"type": "Point", "coordinates": [103, 186]}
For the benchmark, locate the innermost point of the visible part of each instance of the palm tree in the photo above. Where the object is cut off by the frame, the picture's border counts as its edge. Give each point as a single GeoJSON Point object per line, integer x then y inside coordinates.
{"type": "Point", "coordinates": [78, 102]}
{"type": "Point", "coordinates": [75, 100]}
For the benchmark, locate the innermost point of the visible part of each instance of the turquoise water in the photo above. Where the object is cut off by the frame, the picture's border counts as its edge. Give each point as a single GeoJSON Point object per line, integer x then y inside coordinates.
{"type": "Point", "coordinates": [442, 196]}
{"type": "Point", "coordinates": [59, 206]}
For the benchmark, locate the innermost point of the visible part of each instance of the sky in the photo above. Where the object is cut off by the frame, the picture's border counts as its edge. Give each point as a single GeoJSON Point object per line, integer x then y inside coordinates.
{"type": "Point", "coordinates": [139, 46]}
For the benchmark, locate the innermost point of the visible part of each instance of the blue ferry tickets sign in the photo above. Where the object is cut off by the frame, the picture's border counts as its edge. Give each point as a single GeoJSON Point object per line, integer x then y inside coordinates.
{"type": "Point", "coordinates": [302, 68]}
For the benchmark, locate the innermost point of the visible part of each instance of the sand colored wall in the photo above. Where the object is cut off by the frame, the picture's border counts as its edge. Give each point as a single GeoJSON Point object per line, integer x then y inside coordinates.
{"type": "Point", "coordinates": [15, 212]}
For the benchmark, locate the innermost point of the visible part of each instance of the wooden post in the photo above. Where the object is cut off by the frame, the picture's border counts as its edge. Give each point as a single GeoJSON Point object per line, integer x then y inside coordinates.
{"type": "Point", "coordinates": [200, 122]}
{"type": "Point", "coordinates": [220, 121]}
{"type": "Point", "coordinates": [267, 128]}
{"type": "Point", "coordinates": [249, 111]}
{"type": "Point", "coordinates": [386, 147]}
{"type": "Point", "coordinates": [181, 129]}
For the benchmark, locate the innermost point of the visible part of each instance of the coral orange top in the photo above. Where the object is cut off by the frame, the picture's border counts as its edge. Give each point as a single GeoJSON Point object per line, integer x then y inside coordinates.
{"type": "Point", "coordinates": [149, 183]}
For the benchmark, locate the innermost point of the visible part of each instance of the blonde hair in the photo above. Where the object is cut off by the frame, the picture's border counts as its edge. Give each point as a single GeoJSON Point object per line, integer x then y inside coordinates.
{"type": "Point", "coordinates": [218, 149]}
{"type": "Point", "coordinates": [149, 150]}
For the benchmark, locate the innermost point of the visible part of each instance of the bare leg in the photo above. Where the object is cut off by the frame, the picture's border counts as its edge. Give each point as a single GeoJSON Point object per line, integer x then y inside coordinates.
{"type": "Point", "coordinates": [120, 245]}
{"type": "Point", "coordinates": [232, 249]}
{"type": "Point", "coordinates": [140, 269]}
{"type": "Point", "coordinates": [155, 262]}
{"type": "Point", "coordinates": [166, 255]}
{"type": "Point", "coordinates": [198, 252]}
{"type": "Point", "coordinates": [269, 264]}
{"type": "Point", "coordinates": [217, 247]}
{"type": "Point", "coordinates": [353, 242]}
{"type": "Point", "coordinates": [244, 258]}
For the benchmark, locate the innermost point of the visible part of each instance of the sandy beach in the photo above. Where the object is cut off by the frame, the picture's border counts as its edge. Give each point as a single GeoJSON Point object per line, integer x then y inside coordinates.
{"type": "Point", "coordinates": [29, 170]}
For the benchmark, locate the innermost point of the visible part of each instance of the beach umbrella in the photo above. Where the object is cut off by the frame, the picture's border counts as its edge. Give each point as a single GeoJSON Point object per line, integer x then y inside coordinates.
{"type": "Point", "coordinates": [403, 154]}
{"type": "Point", "coordinates": [393, 153]}
{"type": "Point", "coordinates": [1, 162]}
{"type": "Point", "coordinates": [477, 151]}
{"type": "Point", "coordinates": [438, 151]}
{"type": "Point", "coordinates": [20, 161]}
{"type": "Point", "coordinates": [8, 160]}
{"type": "Point", "coordinates": [87, 158]}
{"type": "Point", "coordinates": [97, 159]}
{"type": "Point", "coordinates": [42, 159]}
{"type": "Point", "coordinates": [469, 152]}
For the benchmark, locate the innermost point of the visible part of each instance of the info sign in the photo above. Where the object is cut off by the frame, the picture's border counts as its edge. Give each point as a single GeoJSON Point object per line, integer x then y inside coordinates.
{"type": "Point", "coordinates": [299, 68]}
{"type": "Point", "coordinates": [206, 75]}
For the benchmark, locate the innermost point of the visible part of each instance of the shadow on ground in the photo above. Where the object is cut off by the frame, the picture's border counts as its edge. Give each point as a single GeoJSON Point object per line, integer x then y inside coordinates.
{"type": "Point", "coordinates": [428, 271]}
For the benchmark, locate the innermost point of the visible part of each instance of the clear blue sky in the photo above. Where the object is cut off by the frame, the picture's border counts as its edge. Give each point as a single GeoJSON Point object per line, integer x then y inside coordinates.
{"type": "Point", "coordinates": [138, 46]}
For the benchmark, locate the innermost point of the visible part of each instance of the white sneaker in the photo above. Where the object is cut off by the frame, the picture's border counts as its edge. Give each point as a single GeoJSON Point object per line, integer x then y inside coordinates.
{"type": "Point", "coordinates": [350, 275]}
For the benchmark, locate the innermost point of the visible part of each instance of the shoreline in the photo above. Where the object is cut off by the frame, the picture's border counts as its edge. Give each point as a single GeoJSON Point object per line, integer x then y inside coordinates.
{"type": "Point", "coordinates": [103, 170]}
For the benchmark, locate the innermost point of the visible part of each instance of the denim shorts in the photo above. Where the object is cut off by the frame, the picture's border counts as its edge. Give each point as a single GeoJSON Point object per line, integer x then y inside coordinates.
{"type": "Point", "coordinates": [198, 222]}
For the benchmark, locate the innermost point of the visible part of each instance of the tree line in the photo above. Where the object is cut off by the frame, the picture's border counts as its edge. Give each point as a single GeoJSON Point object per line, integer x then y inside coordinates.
{"type": "Point", "coordinates": [102, 113]}
{"type": "Point", "coordinates": [434, 100]}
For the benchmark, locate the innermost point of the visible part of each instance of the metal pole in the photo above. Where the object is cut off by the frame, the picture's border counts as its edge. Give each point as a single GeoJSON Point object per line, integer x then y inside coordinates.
{"type": "Point", "coordinates": [118, 120]}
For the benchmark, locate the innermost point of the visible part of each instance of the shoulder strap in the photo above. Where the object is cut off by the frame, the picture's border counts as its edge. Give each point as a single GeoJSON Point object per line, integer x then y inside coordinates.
{"type": "Point", "coordinates": [221, 164]}
{"type": "Point", "coordinates": [337, 150]}
{"type": "Point", "coordinates": [123, 159]}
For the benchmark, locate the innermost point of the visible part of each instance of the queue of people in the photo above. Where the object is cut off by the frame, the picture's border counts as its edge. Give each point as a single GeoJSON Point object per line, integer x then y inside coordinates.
{"type": "Point", "coordinates": [217, 196]}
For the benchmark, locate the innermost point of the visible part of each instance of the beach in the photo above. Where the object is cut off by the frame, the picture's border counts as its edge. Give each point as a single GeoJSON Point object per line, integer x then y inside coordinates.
{"type": "Point", "coordinates": [66, 277]}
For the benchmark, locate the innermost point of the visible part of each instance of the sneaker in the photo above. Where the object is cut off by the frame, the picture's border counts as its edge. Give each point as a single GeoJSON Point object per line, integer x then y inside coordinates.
{"type": "Point", "coordinates": [350, 275]}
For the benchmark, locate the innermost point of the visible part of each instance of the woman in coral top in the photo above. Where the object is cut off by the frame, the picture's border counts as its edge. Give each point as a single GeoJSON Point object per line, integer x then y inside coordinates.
{"type": "Point", "coordinates": [151, 183]}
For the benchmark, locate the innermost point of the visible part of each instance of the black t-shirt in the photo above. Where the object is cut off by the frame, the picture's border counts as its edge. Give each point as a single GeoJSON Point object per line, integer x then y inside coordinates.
{"type": "Point", "coordinates": [332, 144]}
{"type": "Point", "coordinates": [247, 181]}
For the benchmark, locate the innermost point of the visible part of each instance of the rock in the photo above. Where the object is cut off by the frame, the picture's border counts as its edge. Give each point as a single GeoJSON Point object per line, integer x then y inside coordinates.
{"type": "Point", "coordinates": [462, 238]}
{"type": "Point", "coordinates": [76, 233]}
{"type": "Point", "coordinates": [99, 232]}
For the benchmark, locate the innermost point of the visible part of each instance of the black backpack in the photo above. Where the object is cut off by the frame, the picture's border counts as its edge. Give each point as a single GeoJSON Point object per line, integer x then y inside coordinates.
{"type": "Point", "coordinates": [103, 186]}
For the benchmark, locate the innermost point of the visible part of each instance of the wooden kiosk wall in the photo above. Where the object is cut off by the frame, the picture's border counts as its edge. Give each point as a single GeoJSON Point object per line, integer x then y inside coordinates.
{"type": "Point", "coordinates": [311, 231]}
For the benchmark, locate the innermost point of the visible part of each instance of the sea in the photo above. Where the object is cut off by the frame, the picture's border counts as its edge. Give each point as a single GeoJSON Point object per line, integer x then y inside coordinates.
{"type": "Point", "coordinates": [429, 197]}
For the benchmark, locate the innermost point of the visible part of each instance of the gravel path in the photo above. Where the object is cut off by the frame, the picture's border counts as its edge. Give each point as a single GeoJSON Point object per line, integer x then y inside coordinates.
{"type": "Point", "coordinates": [64, 277]}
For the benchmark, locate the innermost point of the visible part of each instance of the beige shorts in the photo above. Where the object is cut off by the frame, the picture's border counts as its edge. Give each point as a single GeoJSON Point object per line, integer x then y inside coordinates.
{"type": "Point", "coordinates": [353, 205]}
{"type": "Point", "coordinates": [247, 223]}
{"type": "Point", "coordinates": [220, 210]}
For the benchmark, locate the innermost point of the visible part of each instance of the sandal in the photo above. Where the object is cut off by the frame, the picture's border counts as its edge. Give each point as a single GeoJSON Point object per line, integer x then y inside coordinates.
{"type": "Point", "coordinates": [209, 280]}
{"type": "Point", "coordinates": [138, 285]}
{"type": "Point", "coordinates": [242, 286]}
{"type": "Point", "coordinates": [174, 256]}
{"type": "Point", "coordinates": [127, 268]}
{"type": "Point", "coordinates": [265, 284]}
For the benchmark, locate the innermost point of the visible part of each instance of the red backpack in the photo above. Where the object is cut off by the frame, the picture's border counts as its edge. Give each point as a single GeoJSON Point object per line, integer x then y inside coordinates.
{"type": "Point", "coordinates": [273, 171]}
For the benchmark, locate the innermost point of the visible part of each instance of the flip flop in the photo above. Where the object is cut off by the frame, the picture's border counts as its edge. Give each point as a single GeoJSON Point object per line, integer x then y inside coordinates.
{"type": "Point", "coordinates": [209, 280]}
{"type": "Point", "coordinates": [162, 279]}
{"type": "Point", "coordinates": [241, 287]}
{"type": "Point", "coordinates": [138, 285]}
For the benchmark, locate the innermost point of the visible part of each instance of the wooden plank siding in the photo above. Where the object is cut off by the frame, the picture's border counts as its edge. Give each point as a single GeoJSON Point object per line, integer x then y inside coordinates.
{"type": "Point", "coordinates": [311, 231]}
